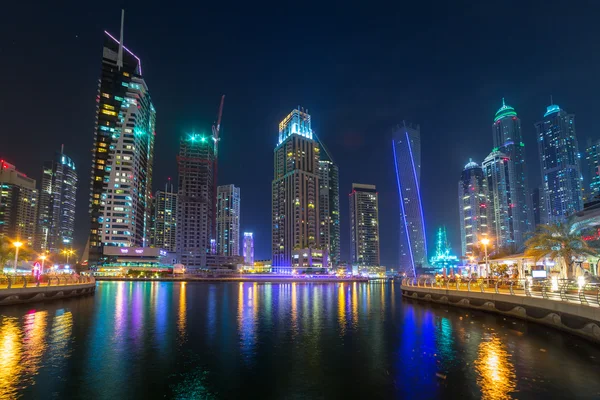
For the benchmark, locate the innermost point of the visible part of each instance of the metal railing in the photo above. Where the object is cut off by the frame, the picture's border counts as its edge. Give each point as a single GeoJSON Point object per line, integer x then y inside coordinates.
{"type": "Point", "coordinates": [29, 281]}
{"type": "Point", "coordinates": [564, 290]}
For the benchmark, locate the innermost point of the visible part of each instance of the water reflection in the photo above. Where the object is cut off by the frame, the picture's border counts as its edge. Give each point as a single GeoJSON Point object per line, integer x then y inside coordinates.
{"type": "Point", "coordinates": [181, 318]}
{"type": "Point", "coordinates": [10, 356]}
{"type": "Point", "coordinates": [34, 341]}
{"type": "Point", "coordinates": [497, 378]}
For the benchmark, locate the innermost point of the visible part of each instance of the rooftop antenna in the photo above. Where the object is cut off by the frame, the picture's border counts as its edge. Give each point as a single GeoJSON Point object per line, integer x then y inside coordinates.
{"type": "Point", "coordinates": [551, 101]}
{"type": "Point", "coordinates": [120, 54]}
{"type": "Point", "coordinates": [503, 103]}
{"type": "Point", "coordinates": [62, 148]}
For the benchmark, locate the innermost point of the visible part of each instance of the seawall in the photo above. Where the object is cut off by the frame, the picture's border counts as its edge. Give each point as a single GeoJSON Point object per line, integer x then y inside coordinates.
{"type": "Point", "coordinates": [44, 293]}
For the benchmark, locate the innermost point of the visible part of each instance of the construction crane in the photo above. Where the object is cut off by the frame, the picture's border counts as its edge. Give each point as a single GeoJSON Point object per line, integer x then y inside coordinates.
{"type": "Point", "coordinates": [216, 129]}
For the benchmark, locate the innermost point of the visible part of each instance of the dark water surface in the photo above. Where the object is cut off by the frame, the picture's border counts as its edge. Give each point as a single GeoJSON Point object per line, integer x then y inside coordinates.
{"type": "Point", "coordinates": [147, 340]}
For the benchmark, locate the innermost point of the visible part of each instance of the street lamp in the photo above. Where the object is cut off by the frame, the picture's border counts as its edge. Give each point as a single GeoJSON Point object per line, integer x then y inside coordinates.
{"type": "Point", "coordinates": [485, 242]}
{"type": "Point", "coordinates": [43, 258]}
{"type": "Point", "coordinates": [68, 252]}
{"type": "Point", "coordinates": [17, 245]}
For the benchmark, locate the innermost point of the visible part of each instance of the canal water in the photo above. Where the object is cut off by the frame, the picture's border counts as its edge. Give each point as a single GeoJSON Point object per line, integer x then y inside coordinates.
{"type": "Point", "coordinates": [155, 340]}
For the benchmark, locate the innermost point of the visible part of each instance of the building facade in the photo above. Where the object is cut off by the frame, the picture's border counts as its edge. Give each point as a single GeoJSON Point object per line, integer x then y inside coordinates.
{"type": "Point", "coordinates": [329, 210]}
{"type": "Point", "coordinates": [364, 225]}
{"type": "Point", "coordinates": [497, 169]}
{"type": "Point", "coordinates": [538, 203]}
{"type": "Point", "coordinates": [406, 146]}
{"type": "Point", "coordinates": [18, 205]}
{"type": "Point", "coordinates": [508, 140]}
{"type": "Point", "coordinates": [248, 251]}
{"type": "Point", "coordinates": [473, 207]}
{"type": "Point", "coordinates": [122, 154]}
{"type": "Point", "coordinates": [592, 160]}
{"type": "Point", "coordinates": [228, 220]}
{"type": "Point", "coordinates": [559, 162]}
{"type": "Point", "coordinates": [195, 200]}
{"type": "Point", "coordinates": [56, 212]}
{"type": "Point", "coordinates": [164, 219]}
{"type": "Point", "coordinates": [295, 189]}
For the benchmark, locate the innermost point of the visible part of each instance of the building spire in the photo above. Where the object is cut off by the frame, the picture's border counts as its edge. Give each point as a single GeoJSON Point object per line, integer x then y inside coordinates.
{"type": "Point", "coordinates": [503, 103]}
{"type": "Point", "coordinates": [120, 54]}
{"type": "Point", "coordinates": [551, 101]}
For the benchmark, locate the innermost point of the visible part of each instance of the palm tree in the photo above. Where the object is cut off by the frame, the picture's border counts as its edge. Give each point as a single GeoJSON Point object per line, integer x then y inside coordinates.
{"type": "Point", "coordinates": [560, 243]}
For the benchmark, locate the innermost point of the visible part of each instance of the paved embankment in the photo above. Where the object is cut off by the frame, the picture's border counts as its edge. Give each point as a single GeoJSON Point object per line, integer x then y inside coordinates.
{"type": "Point", "coordinates": [30, 294]}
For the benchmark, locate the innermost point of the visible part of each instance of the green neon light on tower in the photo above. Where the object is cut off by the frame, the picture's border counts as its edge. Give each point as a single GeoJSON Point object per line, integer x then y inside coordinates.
{"type": "Point", "coordinates": [505, 111]}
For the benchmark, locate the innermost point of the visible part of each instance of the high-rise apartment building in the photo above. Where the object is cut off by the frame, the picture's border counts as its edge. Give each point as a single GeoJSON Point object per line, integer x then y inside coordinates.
{"type": "Point", "coordinates": [122, 154]}
{"type": "Point", "coordinates": [559, 161]}
{"type": "Point", "coordinates": [164, 219]}
{"type": "Point", "coordinates": [406, 146]}
{"type": "Point", "coordinates": [195, 199]}
{"type": "Point", "coordinates": [248, 251]}
{"type": "Point", "coordinates": [228, 220]}
{"type": "Point", "coordinates": [592, 160]}
{"type": "Point", "coordinates": [329, 209]}
{"type": "Point", "coordinates": [295, 190]}
{"type": "Point", "coordinates": [538, 202]}
{"type": "Point", "coordinates": [18, 205]}
{"type": "Point", "coordinates": [473, 207]}
{"type": "Point", "coordinates": [497, 169]}
{"type": "Point", "coordinates": [364, 225]}
{"type": "Point", "coordinates": [508, 140]}
{"type": "Point", "coordinates": [56, 212]}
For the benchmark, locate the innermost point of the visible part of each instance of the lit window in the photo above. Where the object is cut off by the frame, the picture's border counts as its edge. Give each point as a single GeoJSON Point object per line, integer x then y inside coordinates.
{"type": "Point", "coordinates": [114, 114]}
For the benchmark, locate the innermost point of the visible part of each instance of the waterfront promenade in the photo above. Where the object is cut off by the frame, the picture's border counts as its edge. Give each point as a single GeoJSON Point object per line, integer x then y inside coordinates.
{"type": "Point", "coordinates": [563, 304]}
{"type": "Point", "coordinates": [263, 278]}
{"type": "Point", "coordinates": [26, 289]}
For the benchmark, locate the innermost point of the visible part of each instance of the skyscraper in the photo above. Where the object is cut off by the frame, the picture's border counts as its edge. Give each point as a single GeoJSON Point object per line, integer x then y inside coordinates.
{"type": "Point", "coordinates": [329, 209]}
{"type": "Point", "coordinates": [18, 205]}
{"type": "Point", "coordinates": [295, 196]}
{"type": "Point", "coordinates": [195, 199]}
{"type": "Point", "coordinates": [164, 229]}
{"type": "Point", "coordinates": [56, 215]}
{"type": "Point", "coordinates": [473, 207]}
{"type": "Point", "coordinates": [406, 146]}
{"type": "Point", "coordinates": [248, 251]}
{"type": "Point", "coordinates": [228, 220]}
{"type": "Point", "coordinates": [508, 140]}
{"type": "Point", "coordinates": [364, 225]}
{"type": "Point", "coordinates": [122, 154]}
{"type": "Point", "coordinates": [497, 169]}
{"type": "Point", "coordinates": [538, 202]}
{"type": "Point", "coordinates": [592, 159]}
{"type": "Point", "coordinates": [559, 161]}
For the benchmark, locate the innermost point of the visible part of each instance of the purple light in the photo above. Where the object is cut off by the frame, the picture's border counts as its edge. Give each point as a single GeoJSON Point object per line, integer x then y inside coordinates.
{"type": "Point", "coordinates": [402, 206]}
{"type": "Point", "coordinates": [129, 51]}
{"type": "Point", "coordinates": [418, 195]}
{"type": "Point", "coordinates": [124, 250]}
{"type": "Point", "coordinates": [139, 251]}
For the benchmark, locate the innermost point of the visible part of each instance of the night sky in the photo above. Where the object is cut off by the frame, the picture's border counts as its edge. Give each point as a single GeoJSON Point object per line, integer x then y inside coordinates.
{"type": "Point", "coordinates": [360, 71]}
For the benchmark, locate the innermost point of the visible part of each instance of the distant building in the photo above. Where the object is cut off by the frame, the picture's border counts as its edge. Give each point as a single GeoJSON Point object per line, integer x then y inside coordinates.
{"type": "Point", "coordinates": [309, 260]}
{"type": "Point", "coordinates": [538, 202]}
{"type": "Point", "coordinates": [248, 248]}
{"type": "Point", "coordinates": [508, 140]}
{"type": "Point", "coordinates": [223, 261]}
{"type": "Point", "coordinates": [228, 220]}
{"type": "Point", "coordinates": [56, 212]}
{"type": "Point", "coordinates": [559, 160]}
{"type": "Point", "coordinates": [18, 205]}
{"type": "Point", "coordinates": [473, 207]}
{"type": "Point", "coordinates": [364, 225]}
{"type": "Point", "coordinates": [497, 169]}
{"type": "Point", "coordinates": [295, 189]}
{"type": "Point", "coordinates": [406, 147]}
{"type": "Point", "coordinates": [122, 154]}
{"type": "Point", "coordinates": [164, 229]}
{"type": "Point", "coordinates": [329, 209]}
{"type": "Point", "coordinates": [592, 159]}
{"type": "Point", "coordinates": [195, 200]}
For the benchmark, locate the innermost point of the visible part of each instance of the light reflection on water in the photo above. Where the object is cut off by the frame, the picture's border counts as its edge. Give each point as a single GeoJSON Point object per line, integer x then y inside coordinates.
{"type": "Point", "coordinates": [351, 340]}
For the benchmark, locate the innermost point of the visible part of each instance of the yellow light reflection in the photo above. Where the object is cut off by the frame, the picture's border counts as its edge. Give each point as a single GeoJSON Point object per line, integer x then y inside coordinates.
{"type": "Point", "coordinates": [294, 308]}
{"type": "Point", "coordinates": [10, 355]}
{"type": "Point", "coordinates": [342, 307]}
{"type": "Point", "coordinates": [181, 321]}
{"type": "Point", "coordinates": [497, 378]}
{"type": "Point", "coordinates": [34, 341]}
{"type": "Point", "coordinates": [354, 304]}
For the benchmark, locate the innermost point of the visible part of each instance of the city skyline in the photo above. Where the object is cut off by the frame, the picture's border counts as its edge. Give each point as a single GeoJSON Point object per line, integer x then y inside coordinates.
{"type": "Point", "coordinates": [337, 125]}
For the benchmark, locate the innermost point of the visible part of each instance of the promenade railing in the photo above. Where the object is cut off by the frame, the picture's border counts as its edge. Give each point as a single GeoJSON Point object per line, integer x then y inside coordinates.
{"type": "Point", "coordinates": [8, 281]}
{"type": "Point", "coordinates": [566, 290]}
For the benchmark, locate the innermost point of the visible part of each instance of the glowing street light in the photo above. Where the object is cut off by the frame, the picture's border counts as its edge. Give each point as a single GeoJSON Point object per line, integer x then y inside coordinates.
{"type": "Point", "coordinates": [68, 252]}
{"type": "Point", "coordinates": [17, 246]}
{"type": "Point", "coordinates": [43, 258]}
{"type": "Point", "coordinates": [485, 242]}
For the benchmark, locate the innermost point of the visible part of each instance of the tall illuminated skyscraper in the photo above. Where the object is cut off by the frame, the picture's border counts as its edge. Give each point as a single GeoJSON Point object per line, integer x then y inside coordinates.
{"type": "Point", "coordinates": [329, 209]}
{"type": "Point", "coordinates": [473, 207]}
{"type": "Point", "coordinates": [248, 250]}
{"type": "Point", "coordinates": [559, 161]}
{"type": "Point", "coordinates": [295, 190]}
{"type": "Point", "coordinates": [18, 205]}
{"type": "Point", "coordinates": [364, 225]}
{"type": "Point", "coordinates": [592, 159]}
{"type": "Point", "coordinates": [122, 154]}
{"type": "Point", "coordinates": [497, 169]}
{"type": "Point", "coordinates": [406, 146]}
{"type": "Point", "coordinates": [228, 220]}
{"type": "Point", "coordinates": [195, 199]}
{"type": "Point", "coordinates": [508, 140]}
{"type": "Point", "coordinates": [164, 220]}
{"type": "Point", "coordinates": [56, 214]}
{"type": "Point", "coordinates": [538, 203]}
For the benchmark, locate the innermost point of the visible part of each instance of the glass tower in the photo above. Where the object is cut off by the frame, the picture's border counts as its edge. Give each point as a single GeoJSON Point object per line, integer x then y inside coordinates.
{"type": "Point", "coordinates": [473, 207]}
{"type": "Point", "coordinates": [497, 169]}
{"type": "Point", "coordinates": [364, 225]}
{"type": "Point", "coordinates": [559, 161]}
{"type": "Point", "coordinates": [164, 220]}
{"type": "Point", "coordinates": [228, 220]}
{"type": "Point", "coordinates": [592, 159]}
{"type": "Point", "coordinates": [122, 153]}
{"type": "Point", "coordinates": [329, 209]}
{"type": "Point", "coordinates": [18, 205]}
{"type": "Point", "coordinates": [248, 248]}
{"type": "Point", "coordinates": [508, 140]}
{"type": "Point", "coordinates": [406, 148]}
